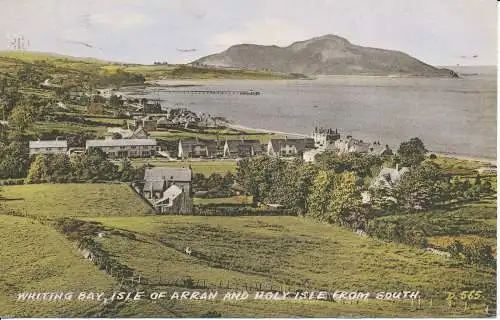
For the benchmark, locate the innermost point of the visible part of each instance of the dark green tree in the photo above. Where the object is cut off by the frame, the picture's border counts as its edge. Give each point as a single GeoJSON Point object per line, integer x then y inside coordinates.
{"type": "Point", "coordinates": [412, 152]}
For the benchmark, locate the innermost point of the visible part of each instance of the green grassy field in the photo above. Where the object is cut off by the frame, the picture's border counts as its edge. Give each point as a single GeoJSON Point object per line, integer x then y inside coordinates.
{"type": "Point", "coordinates": [285, 253]}
{"type": "Point", "coordinates": [229, 200]}
{"type": "Point", "coordinates": [151, 72]}
{"type": "Point", "coordinates": [75, 200]}
{"type": "Point", "coordinates": [36, 258]}
{"type": "Point", "coordinates": [229, 252]}
{"type": "Point", "coordinates": [466, 222]}
{"type": "Point", "coordinates": [205, 167]}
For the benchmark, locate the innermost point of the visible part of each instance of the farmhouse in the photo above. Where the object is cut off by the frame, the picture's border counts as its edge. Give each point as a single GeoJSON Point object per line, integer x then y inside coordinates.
{"type": "Point", "coordinates": [167, 189]}
{"type": "Point", "coordinates": [242, 148]}
{"type": "Point", "coordinates": [48, 147]}
{"type": "Point", "coordinates": [289, 147]}
{"type": "Point", "coordinates": [124, 148]}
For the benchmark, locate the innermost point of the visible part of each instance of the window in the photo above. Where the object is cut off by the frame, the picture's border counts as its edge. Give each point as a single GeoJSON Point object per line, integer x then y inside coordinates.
{"type": "Point", "coordinates": [48, 149]}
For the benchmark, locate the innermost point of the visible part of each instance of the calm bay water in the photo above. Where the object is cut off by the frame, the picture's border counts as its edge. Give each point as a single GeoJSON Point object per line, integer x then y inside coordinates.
{"type": "Point", "coordinates": [449, 115]}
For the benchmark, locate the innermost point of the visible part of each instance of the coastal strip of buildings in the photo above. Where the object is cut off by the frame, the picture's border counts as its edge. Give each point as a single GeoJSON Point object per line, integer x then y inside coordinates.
{"type": "Point", "coordinates": [126, 143]}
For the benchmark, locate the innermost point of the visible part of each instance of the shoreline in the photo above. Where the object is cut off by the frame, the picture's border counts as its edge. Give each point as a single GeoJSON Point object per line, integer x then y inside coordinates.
{"type": "Point", "coordinates": [260, 130]}
{"type": "Point", "coordinates": [486, 160]}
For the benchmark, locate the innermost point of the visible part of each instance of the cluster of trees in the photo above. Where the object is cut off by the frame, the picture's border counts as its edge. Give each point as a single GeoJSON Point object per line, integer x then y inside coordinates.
{"type": "Point", "coordinates": [476, 252]}
{"type": "Point", "coordinates": [89, 166]}
{"type": "Point", "coordinates": [14, 160]}
{"type": "Point", "coordinates": [327, 195]}
{"type": "Point", "coordinates": [425, 186]}
{"type": "Point", "coordinates": [277, 181]}
{"type": "Point", "coordinates": [335, 198]}
{"type": "Point", "coordinates": [216, 184]}
{"type": "Point", "coordinates": [364, 165]}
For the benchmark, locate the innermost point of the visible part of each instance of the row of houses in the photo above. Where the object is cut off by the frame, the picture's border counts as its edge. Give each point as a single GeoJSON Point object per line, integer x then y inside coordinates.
{"type": "Point", "coordinates": [137, 144]}
{"type": "Point", "coordinates": [327, 139]}
{"type": "Point", "coordinates": [114, 148]}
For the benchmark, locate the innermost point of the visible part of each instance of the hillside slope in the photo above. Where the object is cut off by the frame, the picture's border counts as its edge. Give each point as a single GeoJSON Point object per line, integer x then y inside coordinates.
{"type": "Point", "coordinates": [328, 55]}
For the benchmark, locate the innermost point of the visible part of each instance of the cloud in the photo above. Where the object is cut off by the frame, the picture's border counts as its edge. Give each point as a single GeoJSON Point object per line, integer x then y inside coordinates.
{"type": "Point", "coordinates": [265, 32]}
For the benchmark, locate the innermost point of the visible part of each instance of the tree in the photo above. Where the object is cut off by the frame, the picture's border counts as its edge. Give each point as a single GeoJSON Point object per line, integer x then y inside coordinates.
{"type": "Point", "coordinates": [421, 187]}
{"type": "Point", "coordinates": [115, 101]}
{"type": "Point", "coordinates": [49, 168]}
{"type": "Point", "coordinates": [412, 152]}
{"type": "Point", "coordinates": [198, 182]}
{"type": "Point", "coordinates": [255, 176]}
{"type": "Point", "coordinates": [20, 119]}
{"type": "Point", "coordinates": [319, 197]}
{"type": "Point", "coordinates": [14, 160]}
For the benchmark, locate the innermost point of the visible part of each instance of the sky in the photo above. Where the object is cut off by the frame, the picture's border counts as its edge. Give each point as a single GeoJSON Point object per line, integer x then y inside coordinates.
{"type": "Point", "coordinates": [439, 32]}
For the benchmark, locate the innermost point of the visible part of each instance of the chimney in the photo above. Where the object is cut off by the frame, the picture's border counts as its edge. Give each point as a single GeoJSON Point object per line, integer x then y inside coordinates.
{"type": "Point", "coordinates": [397, 166]}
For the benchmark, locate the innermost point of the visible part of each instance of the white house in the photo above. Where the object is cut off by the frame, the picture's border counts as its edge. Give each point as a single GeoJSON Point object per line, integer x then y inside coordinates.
{"type": "Point", "coordinates": [48, 147]}
{"type": "Point", "coordinates": [123, 148]}
{"type": "Point", "coordinates": [289, 147]}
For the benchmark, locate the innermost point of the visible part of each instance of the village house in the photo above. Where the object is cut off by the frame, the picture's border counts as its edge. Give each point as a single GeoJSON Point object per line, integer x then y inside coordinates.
{"type": "Point", "coordinates": [48, 147]}
{"type": "Point", "coordinates": [289, 147]}
{"type": "Point", "coordinates": [351, 145]}
{"type": "Point", "coordinates": [197, 148]}
{"type": "Point", "coordinates": [242, 148]}
{"type": "Point", "coordinates": [378, 150]}
{"type": "Point", "coordinates": [324, 139]}
{"type": "Point", "coordinates": [147, 122]}
{"type": "Point", "coordinates": [138, 133]}
{"type": "Point", "coordinates": [168, 190]}
{"type": "Point", "coordinates": [124, 148]}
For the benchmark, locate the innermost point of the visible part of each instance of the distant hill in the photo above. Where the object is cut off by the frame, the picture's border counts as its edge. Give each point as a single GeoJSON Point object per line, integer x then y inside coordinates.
{"type": "Point", "coordinates": [325, 55]}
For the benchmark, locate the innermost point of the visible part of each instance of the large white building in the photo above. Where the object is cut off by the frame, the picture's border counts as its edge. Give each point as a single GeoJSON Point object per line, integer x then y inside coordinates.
{"type": "Point", "coordinates": [48, 147]}
{"type": "Point", "coordinates": [125, 148]}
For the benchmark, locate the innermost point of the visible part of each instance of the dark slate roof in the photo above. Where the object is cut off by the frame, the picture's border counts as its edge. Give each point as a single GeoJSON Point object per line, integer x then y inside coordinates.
{"type": "Point", "coordinates": [174, 174]}
{"type": "Point", "coordinates": [300, 144]}
{"type": "Point", "coordinates": [234, 144]}
{"type": "Point", "coordinates": [189, 144]}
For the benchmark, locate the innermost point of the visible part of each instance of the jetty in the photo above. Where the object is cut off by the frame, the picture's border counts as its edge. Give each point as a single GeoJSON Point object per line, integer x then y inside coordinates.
{"type": "Point", "coordinates": [232, 92]}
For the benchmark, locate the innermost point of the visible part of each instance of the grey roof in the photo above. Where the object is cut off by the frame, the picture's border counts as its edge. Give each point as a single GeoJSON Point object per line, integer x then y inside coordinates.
{"type": "Point", "coordinates": [49, 144]}
{"type": "Point", "coordinates": [173, 174]}
{"type": "Point", "coordinates": [300, 144]}
{"type": "Point", "coordinates": [121, 142]}
{"type": "Point", "coordinates": [189, 144]}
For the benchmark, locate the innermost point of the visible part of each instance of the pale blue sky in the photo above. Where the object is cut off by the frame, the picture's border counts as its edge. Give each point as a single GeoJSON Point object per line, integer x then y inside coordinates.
{"type": "Point", "coordinates": [439, 32]}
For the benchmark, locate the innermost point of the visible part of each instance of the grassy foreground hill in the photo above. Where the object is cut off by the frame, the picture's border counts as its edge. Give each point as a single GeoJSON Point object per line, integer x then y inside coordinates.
{"type": "Point", "coordinates": [230, 253]}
